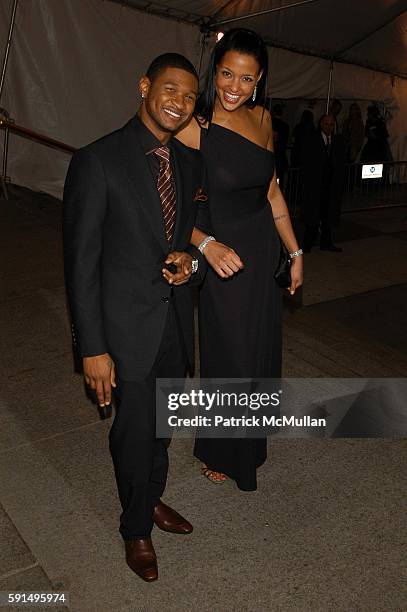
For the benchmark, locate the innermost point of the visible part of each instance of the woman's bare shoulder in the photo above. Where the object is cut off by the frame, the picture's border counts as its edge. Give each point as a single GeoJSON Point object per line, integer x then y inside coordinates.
{"type": "Point", "coordinates": [260, 119]}
{"type": "Point", "coordinates": [190, 134]}
{"type": "Point", "coordinates": [261, 125]}
{"type": "Point", "coordinates": [262, 115]}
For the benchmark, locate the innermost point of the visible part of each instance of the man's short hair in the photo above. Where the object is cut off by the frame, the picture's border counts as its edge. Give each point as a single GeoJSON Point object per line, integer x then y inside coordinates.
{"type": "Point", "coordinates": [169, 60]}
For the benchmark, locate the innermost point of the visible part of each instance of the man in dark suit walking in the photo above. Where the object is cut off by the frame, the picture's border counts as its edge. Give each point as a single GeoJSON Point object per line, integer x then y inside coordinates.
{"type": "Point", "coordinates": [323, 163]}
{"type": "Point", "coordinates": [130, 205]}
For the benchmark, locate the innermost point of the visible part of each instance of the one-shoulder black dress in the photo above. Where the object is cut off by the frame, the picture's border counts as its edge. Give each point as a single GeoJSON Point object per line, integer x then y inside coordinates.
{"type": "Point", "coordinates": [239, 317]}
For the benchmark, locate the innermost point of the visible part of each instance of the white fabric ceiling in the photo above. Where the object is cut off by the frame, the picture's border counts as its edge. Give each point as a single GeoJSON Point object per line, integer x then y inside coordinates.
{"type": "Point", "coordinates": [74, 68]}
{"type": "Point", "coordinates": [371, 33]}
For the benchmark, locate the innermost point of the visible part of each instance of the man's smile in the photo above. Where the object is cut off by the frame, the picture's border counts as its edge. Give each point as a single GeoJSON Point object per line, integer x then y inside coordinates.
{"type": "Point", "coordinates": [173, 113]}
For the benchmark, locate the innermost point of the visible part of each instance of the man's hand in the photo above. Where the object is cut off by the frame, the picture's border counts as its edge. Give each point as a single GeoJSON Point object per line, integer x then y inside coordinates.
{"type": "Point", "coordinates": [296, 274]}
{"type": "Point", "coordinates": [100, 376]}
{"type": "Point", "coordinates": [224, 260]}
{"type": "Point", "coordinates": [183, 263]}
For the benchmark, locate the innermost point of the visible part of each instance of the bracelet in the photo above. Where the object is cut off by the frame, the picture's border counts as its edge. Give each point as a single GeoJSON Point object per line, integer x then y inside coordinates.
{"type": "Point", "coordinates": [296, 253]}
{"type": "Point", "coordinates": [204, 243]}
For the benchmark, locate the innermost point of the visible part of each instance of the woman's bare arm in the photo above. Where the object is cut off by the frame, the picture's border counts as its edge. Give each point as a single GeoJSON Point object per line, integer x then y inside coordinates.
{"type": "Point", "coordinates": [224, 260]}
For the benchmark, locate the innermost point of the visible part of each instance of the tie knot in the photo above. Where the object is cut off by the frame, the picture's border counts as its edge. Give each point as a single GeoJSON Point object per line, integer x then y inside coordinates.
{"type": "Point", "coordinates": [163, 153]}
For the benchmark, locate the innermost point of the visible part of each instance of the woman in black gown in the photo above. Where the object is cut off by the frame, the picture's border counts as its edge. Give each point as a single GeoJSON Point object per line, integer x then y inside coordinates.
{"type": "Point", "coordinates": [240, 302]}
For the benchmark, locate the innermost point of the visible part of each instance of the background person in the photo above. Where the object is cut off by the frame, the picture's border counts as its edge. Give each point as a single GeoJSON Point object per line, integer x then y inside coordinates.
{"type": "Point", "coordinates": [323, 165]}
{"type": "Point", "coordinates": [353, 132]}
{"type": "Point", "coordinates": [376, 149]}
{"type": "Point", "coordinates": [281, 132]}
{"type": "Point", "coordinates": [301, 135]}
{"type": "Point", "coordinates": [335, 111]}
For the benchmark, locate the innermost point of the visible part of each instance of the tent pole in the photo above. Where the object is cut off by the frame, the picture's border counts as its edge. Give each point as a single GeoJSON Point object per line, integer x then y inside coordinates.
{"type": "Point", "coordinates": [204, 39]}
{"type": "Point", "coordinates": [266, 12]}
{"type": "Point", "coordinates": [8, 45]}
{"type": "Point", "coordinates": [328, 99]}
{"type": "Point", "coordinates": [2, 80]}
{"type": "Point", "coordinates": [4, 170]}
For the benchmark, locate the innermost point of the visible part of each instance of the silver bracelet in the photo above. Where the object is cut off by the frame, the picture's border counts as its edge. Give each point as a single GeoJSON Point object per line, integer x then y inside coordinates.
{"type": "Point", "coordinates": [204, 243]}
{"type": "Point", "coordinates": [296, 253]}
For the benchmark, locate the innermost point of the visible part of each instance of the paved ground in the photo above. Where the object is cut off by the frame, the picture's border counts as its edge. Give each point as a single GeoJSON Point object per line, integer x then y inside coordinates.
{"type": "Point", "coordinates": [322, 533]}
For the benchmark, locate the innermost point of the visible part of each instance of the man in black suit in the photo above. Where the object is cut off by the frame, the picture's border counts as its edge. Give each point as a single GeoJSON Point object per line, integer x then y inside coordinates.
{"type": "Point", "coordinates": [323, 164]}
{"type": "Point", "coordinates": [130, 205]}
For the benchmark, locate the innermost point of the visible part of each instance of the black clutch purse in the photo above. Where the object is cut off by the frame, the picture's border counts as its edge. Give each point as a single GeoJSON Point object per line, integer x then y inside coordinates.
{"type": "Point", "coordinates": [282, 275]}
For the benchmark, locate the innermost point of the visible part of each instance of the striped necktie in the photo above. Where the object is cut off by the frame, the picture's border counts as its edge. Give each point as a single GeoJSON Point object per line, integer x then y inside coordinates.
{"type": "Point", "coordinates": [166, 190]}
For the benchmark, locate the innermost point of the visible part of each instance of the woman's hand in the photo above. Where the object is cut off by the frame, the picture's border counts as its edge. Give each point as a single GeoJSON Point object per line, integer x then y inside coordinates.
{"type": "Point", "coordinates": [296, 273]}
{"type": "Point", "coordinates": [224, 260]}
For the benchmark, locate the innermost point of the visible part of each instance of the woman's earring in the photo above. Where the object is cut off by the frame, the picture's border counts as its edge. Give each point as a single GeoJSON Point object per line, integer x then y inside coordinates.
{"type": "Point", "coordinates": [254, 93]}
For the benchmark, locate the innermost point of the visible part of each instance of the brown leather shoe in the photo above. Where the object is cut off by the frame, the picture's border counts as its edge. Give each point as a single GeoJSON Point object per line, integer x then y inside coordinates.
{"type": "Point", "coordinates": [141, 558]}
{"type": "Point", "coordinates": [168, 519]}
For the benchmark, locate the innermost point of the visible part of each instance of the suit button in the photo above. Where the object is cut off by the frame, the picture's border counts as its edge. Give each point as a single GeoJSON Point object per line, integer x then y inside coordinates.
{"type": "Point", "coordinates": [165, 299]}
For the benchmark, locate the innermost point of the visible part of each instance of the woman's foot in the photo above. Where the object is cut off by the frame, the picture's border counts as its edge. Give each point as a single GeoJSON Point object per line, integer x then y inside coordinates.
{"type": "Point", "coordinates": [212, 475]}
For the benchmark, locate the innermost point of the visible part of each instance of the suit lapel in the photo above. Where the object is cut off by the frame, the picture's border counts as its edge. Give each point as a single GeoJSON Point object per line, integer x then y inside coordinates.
{"type": "Point", "coordinates": [143, 180]}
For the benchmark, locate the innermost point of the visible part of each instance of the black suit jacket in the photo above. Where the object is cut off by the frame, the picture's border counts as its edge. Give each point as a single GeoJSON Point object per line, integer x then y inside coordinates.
{"type": "Point", "coordinates": [115, 246]}
{"type": "Point", "coordinates": [323, 177]}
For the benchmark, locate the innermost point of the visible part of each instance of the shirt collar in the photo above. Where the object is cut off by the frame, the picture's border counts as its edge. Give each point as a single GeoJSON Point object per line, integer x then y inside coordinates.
{"type": "Point", "coordinates": [149, 142]}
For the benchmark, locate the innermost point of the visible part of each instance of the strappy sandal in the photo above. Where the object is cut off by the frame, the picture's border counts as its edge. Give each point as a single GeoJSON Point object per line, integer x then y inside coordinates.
{"type": "Point", "coordinates": [213, 476]}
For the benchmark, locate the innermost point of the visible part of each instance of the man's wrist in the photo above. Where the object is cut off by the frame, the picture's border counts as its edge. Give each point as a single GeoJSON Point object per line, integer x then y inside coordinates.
{"type": "Point", "coordinates": [95, 356]}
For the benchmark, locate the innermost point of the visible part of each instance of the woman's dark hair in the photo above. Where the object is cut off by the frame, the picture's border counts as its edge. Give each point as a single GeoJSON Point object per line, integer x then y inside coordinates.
{"type": "Point", "coordinates": [243, 41]}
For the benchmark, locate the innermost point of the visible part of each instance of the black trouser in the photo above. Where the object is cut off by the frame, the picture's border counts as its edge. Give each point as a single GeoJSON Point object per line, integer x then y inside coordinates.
{"type": "Point", "coordinates": [140, 459]}
{"type": "Point", "coordinates": [311, 233]}
{"type": "Point", "coordinates": [326, 217]}
{"type": "Point", "coordinates": [325, 222]}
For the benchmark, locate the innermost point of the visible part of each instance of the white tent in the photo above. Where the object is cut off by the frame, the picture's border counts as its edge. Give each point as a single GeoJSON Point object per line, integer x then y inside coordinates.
{"type": "Point", "coordinates": [74, 64]}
